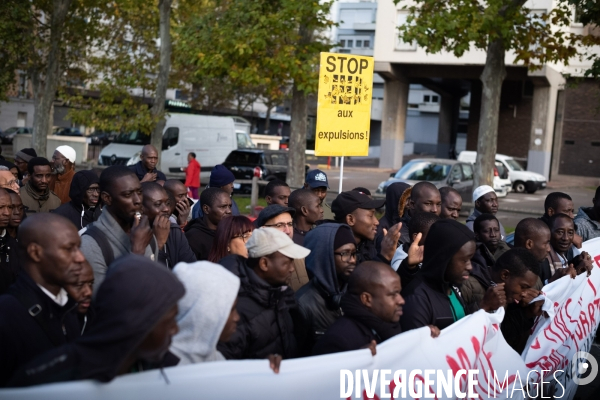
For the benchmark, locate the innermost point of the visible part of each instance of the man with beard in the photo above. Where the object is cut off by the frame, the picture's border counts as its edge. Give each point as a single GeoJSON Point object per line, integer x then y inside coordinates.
{"type": "Point", "coordinates": [36, 313]}
{"type": "Point", "coordinates": [36, 194]}
{"type": "Point", "coordinates": [83, 208]}
{"type": "Point", "coordinates": [372, 309]}
{"type": "Point", "coordinates": [172, 243]}
{"type": "Point", "coordinates": [486, 201]}
{"type": "Point", "coordinates": [119, 230]}
{"type": "Point", "coordinates": [9, 259]}
{"type": "Point", "coordinates": [63, 161]}
{"type": "Point", "coordinates": [81, 291]}
{"type": "Point", "coordinates": [433, 297]}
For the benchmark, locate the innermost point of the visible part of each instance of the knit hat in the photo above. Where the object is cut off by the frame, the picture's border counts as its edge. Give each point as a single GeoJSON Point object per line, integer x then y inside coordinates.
{"type": "Point", "coordinates": [68, 152]}
{"type": "Point", "coordinates": [26, 154]}
{"type": "Point", "coordinates": [220, 176]}
{"type": "Point", "coordinates": [342, 237]}
{"type": "Point", "coordinates": [481, 191]}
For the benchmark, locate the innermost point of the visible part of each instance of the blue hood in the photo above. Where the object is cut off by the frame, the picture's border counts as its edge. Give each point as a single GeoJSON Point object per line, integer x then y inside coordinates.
{"type": "Point", "coordinates": [320, 263]}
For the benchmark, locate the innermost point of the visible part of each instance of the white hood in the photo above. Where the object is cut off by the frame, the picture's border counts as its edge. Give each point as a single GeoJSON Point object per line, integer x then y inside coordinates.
{"type": "Point", "coordinates": [210, 291]}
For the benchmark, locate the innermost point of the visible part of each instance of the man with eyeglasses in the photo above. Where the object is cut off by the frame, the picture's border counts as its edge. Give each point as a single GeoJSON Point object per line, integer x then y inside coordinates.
{"type": "Point", "coordinates": [83, 208]}
{"type": "Point", "coordinates": [282, 219]}
{"type": "Point", "coordinates": [331, 261]}
{"type": "Point", "coordinates": [8, 180]}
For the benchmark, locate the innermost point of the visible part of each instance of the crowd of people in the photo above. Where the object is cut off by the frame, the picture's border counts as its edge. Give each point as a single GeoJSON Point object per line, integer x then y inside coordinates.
{"type": "Point", "coordinates": [125, 271]}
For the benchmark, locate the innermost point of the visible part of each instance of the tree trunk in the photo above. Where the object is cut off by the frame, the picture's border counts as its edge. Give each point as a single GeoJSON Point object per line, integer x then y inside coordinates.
{"type": "Point", "coordinates": [297, 147]}
{"type": "Point", "coordinates": [268, 118]}
{"type": "Point", "coordinates": [492, 77]}
{"type": "Point", "coordinates": [158, 109]}
{"type": "Point", "coordinates": [46, 82]}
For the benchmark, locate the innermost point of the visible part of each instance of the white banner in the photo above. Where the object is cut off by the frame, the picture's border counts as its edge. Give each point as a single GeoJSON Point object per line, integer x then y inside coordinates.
{"type": "Point", "coordinates": [470, 359]}
{"type": "Point", "coordinates": [559, 345]}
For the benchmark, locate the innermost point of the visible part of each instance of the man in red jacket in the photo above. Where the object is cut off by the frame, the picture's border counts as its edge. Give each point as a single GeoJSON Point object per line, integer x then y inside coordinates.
{"type": "Point", "coordinates": [192, 176]}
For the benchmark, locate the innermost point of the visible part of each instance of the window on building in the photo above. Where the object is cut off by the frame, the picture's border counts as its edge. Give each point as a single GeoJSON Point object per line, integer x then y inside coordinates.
{"type": "Point", "coordinates": [435, 99]}
{"type": "Point", "coordinates": [350, 44]}
{"type": "Point", "coordinates": [359, 43]}
{"type": "Point", "coordinates": [400, 44]}
{"type": "Point", "coordinates": [342, 43]}
{"type": "Point", "coordinates": [22, 85]}
{"type": "Point", "coordinates": [367, 43]}
{"type": "Point", "coordinates": [426, 98]}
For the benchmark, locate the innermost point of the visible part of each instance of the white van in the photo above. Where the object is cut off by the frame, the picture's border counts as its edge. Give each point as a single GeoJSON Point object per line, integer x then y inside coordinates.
{"type": "Point", "coordinates": [521, 180]}
{"type": "Point", "coordinates": [211, 138]}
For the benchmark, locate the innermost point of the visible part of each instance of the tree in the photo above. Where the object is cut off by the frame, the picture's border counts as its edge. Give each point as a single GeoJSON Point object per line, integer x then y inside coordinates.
{"type": "Point", "coordinates": [588, 13]}
{"type": "Point", "coordinates": [14, 20]}
{"type": "Point", "coordinates": [495, 26]}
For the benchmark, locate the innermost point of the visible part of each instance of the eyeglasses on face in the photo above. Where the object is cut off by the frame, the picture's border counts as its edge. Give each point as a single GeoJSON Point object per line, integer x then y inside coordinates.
{"type": "Point", "coordinates": [346, 255]}
{"type": "Point", "coordinates": [281, 225]}
{"type": "Point", "coordinates": [245, 236]}
{"type": "Point", "coordinates": [93, 190]}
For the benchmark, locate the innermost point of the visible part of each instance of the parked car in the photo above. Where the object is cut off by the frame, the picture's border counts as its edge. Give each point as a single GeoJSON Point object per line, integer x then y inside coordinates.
{"type": "Point", "coordinates": [521, 180]}
{"type": "Point", "coordinates": [440, 172]}
{"type": "Point", "coordinates": [272, 163]}
{"type": "Point", "coordinates": [103, 138]}
{"type": "Point", "coordinates": [8, 135]}
{"type": "Point", "coordinates": [67, 132]}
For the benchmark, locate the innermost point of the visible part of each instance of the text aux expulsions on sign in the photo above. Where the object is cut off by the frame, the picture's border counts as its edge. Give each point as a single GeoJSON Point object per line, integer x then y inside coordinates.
{"type": "Point", "coordinates": [344, 105]}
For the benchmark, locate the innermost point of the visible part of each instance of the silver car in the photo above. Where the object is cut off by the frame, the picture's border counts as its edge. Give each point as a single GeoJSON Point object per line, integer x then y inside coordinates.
{"type": "Point", "coordinates": [440, 172]}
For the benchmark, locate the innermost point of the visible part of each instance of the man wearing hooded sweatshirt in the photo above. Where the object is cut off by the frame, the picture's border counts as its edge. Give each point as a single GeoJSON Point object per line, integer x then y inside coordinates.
{"type": "Point", "coordinates": [83, 208]}
{"type": "Point", "coordinates": [36, 194]}
{"type": "Point", "coordinates": [172, 243]}
{"type": "Point", "coordinates": [357, 210]}
{"type": "Point", "coordinates": [372, 309]}
{"type": "Point", "coordinates": [433, 297]}
{"type": "Point", "coordinates": [588, 219]}
{"type": "Point", "coordinates": [119, 226]}
{"type": "Point", "coordinates": [36, 314]}
{"type": "Point", "coordinates": [331, 261]}
{"type": "Point", "coordinates": [136, 308]}
{"type": "Point", "coordinates": [222, 178]}
{"type": "Point", "coordinates": [200, 232]}
{"type": "Point", "coordinates": [264, 300]}
{"type": "Point", "coordinates": [393, 194]}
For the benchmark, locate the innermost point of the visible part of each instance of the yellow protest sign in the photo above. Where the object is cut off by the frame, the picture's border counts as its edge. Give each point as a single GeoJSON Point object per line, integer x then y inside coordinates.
{"type": "Point", "coordinates": [344, 105]}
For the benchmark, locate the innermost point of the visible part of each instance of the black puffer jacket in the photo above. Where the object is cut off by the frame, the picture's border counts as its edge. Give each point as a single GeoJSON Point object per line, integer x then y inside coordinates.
{"type": "Point", "coordinates": [265, 325]}
{"type": "Point", "coordinates": [72, 210]}
{"type": "Point", "coordinates": [427, 300]}
{"type": "Point", "coordinates": [200, 238]}
{"type": "Point", "coordinates": [319, 300]}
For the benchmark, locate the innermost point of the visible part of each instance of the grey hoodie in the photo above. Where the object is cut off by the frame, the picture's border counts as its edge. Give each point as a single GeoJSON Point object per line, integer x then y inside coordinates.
{"type": "Point", "coordinates": [119, 241]}
{"type": "Point", "coordinates": [210, 291]}
{"type": "Point", "coordinates": [587, 228]}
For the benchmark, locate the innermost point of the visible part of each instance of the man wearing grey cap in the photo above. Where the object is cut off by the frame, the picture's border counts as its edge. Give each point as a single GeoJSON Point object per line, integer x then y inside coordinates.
{"type": "Point", "coordinates": [486, 202]}
{"type": "Point", "coordinates": [264, 299]}
{"type": "Point", "coordinates": [22, 157]}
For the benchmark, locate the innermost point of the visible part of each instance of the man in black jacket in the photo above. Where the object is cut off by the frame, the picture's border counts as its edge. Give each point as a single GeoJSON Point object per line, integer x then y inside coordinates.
{"type": "Point", "coordinates": [424, 198]}
{"type": "Point", "coordinates": [173, 246]}
{"type": "Point", "coordinates": [433, 297]}
{"type": "Point", "coordinates": [357, 210]}
{"type": "Point", "coordinates": [372, 309]}
{"type": "Point", "coordinates": [83, 208]}
{"type": "Point", "coordinates": [200, 232]}
{"type": "Point", "coordinates": [331, 261]}
{"type": "Point", "coordinates": [36, 314]}
{"type": "Point", "coordinates": [145, 169]}
{"type": "Point", "coordinates": [264, 299]}
{"type": "Point", "coordinates": [451, 203]}
{"type": "Point", "coordinates": [560, 203]}
{"type": "Point", "coordinates": [136, 310]}
{"type": "Point", "coordinates": [9, 259]}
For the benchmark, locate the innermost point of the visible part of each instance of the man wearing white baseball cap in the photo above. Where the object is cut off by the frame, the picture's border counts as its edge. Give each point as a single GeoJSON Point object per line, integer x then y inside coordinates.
{"type": "Point", "coordinates": [264, 299]}
{"type": "Point", "coordinates": [486, 202]}
{"type": "Point", "coordinates": [63, 164]}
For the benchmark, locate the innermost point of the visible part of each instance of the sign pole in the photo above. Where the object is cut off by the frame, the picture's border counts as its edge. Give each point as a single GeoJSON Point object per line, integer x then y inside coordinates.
{"type": "Point", "coordinates": [341, 173]}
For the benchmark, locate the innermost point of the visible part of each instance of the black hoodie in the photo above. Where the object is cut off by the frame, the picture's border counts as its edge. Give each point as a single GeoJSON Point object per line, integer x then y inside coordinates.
{"type": "Point", "coordinates": [392, 199]}
{"type": "Point", "coordinates": [72, 210]}
{"type": "Point", "coordinates": [135, 295]}
{"type": "Point", "coordinates": [200, 238]}
{"type": "Point", "coordinates": [427, 300]}
{"type": "Point", "coordinates": [319, 300]}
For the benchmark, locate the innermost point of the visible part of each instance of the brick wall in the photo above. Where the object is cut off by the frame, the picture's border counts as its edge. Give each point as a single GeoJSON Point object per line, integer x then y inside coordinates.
{"type": "Point", "coordinates": [514, 125]}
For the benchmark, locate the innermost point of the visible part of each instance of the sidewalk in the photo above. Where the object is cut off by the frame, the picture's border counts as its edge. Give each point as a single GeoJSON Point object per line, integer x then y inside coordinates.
{"type": "Point", "coordinates": [570, 181]}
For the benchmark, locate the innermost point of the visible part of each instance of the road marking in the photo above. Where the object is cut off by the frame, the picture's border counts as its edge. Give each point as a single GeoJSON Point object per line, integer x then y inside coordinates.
{"type": "Point", "coordinates": [511, 201]}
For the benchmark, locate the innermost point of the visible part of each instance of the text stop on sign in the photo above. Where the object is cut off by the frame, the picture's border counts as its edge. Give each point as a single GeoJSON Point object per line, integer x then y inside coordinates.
{"type": "Point", "coordinates": [344, 105]}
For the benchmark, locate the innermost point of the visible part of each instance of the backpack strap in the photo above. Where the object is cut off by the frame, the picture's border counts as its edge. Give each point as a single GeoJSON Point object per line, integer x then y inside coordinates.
{"type": "Point", "coordinates": [35, 309]}
{"type": "Point", "coordinates": [100, 238]}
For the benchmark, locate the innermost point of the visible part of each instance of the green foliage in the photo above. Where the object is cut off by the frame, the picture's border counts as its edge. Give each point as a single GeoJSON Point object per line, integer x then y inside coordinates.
{"type": "Point", "coordinates": [14, 21]}
{"type": "Point", "coordinates": [458, 25]}
{"type": "Point", "coordinates": [588, 13]}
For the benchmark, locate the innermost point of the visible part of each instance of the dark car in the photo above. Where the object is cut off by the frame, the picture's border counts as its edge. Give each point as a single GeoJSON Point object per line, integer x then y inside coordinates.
{"type": "Point", "coordinates": [67, 132]}
{"type": "Point", "coordinates": [440, 172]}
{"type": "Point", "coordinates": [272, 163]}
{"type": "Point", "coordinates": [102, 137]}
{"type": "Point", "coordinates": [8, 135]}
